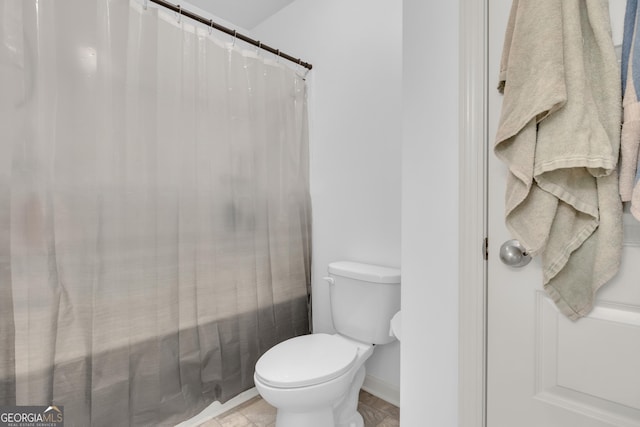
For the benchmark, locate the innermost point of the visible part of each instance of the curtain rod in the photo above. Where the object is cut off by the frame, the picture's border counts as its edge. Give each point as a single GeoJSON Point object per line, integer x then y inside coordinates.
{"type": "Point", "coordinates": [209, 22]}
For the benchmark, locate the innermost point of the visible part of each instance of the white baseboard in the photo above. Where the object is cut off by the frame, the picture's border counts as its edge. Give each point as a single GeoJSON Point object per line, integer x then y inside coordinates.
{"type": "Point", "coordinates": [217, 408]}
{"type": "Point", "coordinates": [382, 389]}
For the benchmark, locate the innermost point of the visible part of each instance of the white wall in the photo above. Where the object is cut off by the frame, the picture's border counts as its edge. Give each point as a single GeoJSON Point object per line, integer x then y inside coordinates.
{"type": "Point", "coordinates": [430, 214]}
{"type": "Point", "coordinates": [355, 47]}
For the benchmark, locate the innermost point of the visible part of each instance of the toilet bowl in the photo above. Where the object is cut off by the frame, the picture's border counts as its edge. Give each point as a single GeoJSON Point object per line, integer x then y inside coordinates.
{"type": "Point", "coordinates": [314, 380]}
{"type": "Point", "coordinates": [309, 379]}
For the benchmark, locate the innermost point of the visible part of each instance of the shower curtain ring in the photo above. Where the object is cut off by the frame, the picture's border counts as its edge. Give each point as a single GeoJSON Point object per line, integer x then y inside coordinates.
{"type": "Point", "coordinates": [235, 33]}
{"type": "Point", "coordinates": [179, 14]}
{"type": "Point", "coordinates": [278, 56]}
{"type": "Point", "coordinates": [210, 26]}
{"type": "Point", "coordinates": [259, 47]}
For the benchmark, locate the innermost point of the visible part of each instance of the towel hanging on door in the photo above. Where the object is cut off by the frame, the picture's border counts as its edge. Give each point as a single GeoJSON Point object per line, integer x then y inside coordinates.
{"type": "Point", "coordinates": [559, 134]}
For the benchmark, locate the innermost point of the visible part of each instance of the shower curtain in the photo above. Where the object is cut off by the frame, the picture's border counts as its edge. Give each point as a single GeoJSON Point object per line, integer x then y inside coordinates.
{"type": "Point", "coordinates": [154, 211]}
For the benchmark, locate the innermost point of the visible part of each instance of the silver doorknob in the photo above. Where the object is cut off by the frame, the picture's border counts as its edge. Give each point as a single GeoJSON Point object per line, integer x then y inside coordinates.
{"type": "Point", "coordinates": [513, 254]}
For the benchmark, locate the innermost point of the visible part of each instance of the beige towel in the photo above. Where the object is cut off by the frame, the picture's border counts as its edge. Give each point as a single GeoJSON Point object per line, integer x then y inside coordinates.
{"type": "Point", "coordinates": [559, 134]}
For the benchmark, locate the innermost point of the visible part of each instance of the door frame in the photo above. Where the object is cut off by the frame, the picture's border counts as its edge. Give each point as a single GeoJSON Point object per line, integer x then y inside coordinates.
{"type": "Point", "coordinates": [473, 154]}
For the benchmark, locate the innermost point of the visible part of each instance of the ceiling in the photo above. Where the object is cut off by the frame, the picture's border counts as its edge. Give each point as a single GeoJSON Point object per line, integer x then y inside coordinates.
{"type": "Point", "coordinates": [242, 13]}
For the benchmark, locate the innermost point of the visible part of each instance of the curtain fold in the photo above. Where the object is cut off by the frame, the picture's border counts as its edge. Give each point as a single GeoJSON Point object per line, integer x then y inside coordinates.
{"type": "Point", "coordinates": [154, 211]}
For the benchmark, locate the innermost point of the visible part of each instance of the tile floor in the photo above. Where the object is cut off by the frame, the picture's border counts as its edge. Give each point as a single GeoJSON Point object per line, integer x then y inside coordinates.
{"type": "Point", "coordinates": [258, 413]}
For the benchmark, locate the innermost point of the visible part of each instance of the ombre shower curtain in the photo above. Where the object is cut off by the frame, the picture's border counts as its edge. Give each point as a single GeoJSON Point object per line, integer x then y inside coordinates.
{"type": "Point", "coordinates": [154, 211]}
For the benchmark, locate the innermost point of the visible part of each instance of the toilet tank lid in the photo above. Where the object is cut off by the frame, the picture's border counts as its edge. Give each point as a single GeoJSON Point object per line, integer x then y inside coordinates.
{"type": "Point", "coordinates": [366, 272]}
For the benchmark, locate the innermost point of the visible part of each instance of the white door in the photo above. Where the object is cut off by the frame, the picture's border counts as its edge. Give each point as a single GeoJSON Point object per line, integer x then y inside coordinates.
{"type": "Point", "coordinates": [544, 370]}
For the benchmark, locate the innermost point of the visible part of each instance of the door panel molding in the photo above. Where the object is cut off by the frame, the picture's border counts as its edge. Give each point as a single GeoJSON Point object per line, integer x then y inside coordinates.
{"type": "Point", "coordinates": [569, 382]}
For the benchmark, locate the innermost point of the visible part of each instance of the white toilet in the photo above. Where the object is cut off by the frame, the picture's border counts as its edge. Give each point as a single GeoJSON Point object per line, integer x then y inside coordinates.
{"type": "Point", "coordinates": [314, 380]}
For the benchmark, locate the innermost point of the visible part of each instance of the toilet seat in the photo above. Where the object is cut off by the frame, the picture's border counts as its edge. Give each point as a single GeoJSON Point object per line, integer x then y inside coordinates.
{"type": "Point", "coordinates": [306, 360]}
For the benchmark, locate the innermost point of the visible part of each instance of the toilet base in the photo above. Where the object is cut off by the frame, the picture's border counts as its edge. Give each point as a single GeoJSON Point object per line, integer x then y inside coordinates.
{"type": "Point", "coordinates": [321, 418]}
{"type": "Point", "coordinates": [356, 421]}
{"type": "Point", "coordinates": [344, 414]}
{"type": "Point", "coordinates": [315, 419]}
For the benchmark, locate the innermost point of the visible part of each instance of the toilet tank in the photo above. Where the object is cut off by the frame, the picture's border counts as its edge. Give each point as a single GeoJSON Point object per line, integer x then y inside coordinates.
{"type": "Point", "coordinates": [364, 298]}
